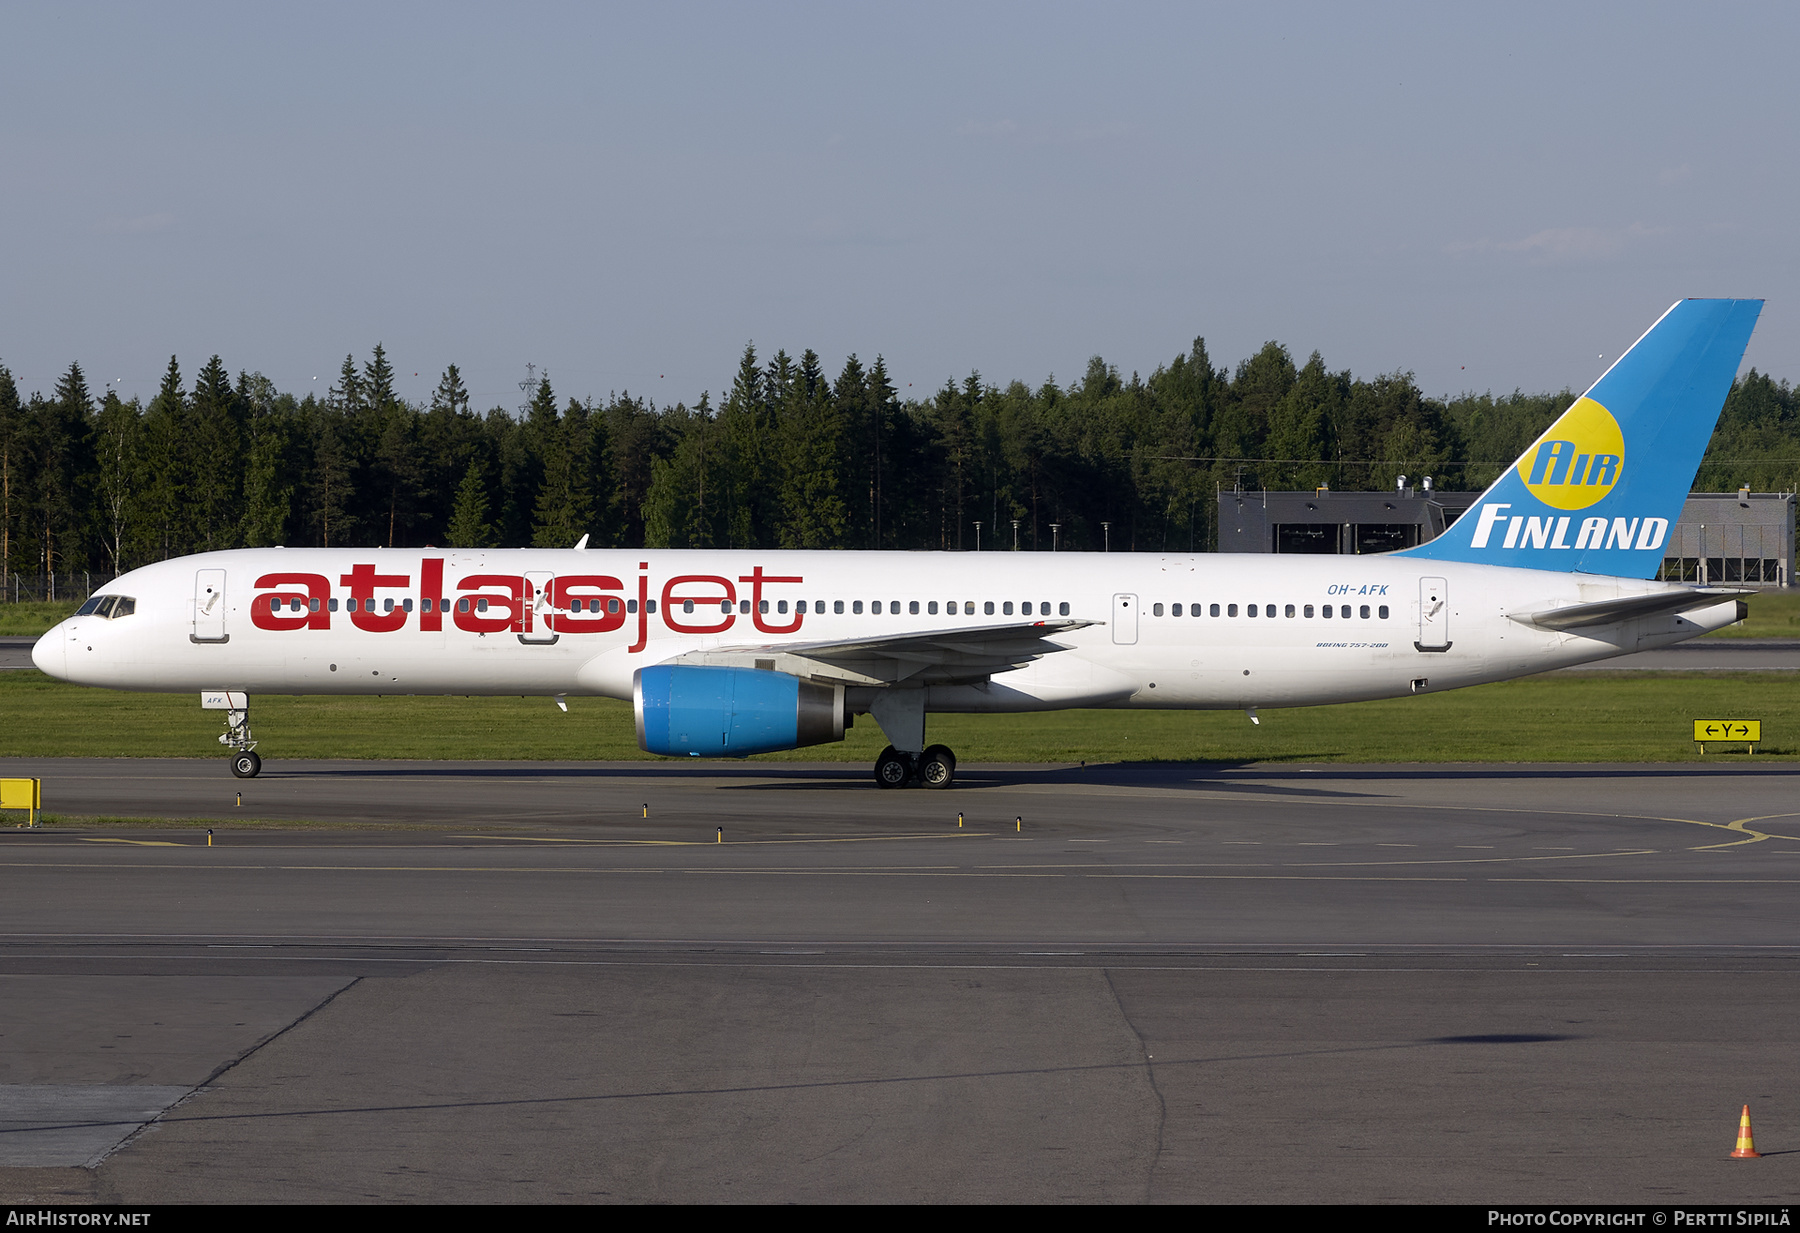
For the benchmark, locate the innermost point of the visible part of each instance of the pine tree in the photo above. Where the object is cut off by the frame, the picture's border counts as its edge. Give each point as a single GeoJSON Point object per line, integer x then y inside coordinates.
{"type": "Point", "coordinates": [217, 452]}
{"type": "Point", "coordinates": [165, 465]}
{"type": "Point", "coordinates": [564, 507]}
{"type": "Point", "coordinates": [12, 442]}
{"type": "Point", "coordinates": [117, 430]}
{"type": "Point", "coordinates": [469, 527]}
{"type": "Point", "coordinates": [451, 395]}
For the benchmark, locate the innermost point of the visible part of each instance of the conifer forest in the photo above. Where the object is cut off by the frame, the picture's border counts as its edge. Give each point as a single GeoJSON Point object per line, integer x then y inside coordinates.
{"type": "Point", "coordinates": [791, 456]}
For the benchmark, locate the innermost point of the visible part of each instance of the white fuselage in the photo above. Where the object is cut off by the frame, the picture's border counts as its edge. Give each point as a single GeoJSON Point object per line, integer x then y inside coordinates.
{"type": "Point", "coordinates": [245, 620]}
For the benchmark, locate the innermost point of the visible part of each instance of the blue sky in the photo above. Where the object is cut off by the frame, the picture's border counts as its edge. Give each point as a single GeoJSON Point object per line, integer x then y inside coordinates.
{"type": "Point", "coordinates": [1490, 196]}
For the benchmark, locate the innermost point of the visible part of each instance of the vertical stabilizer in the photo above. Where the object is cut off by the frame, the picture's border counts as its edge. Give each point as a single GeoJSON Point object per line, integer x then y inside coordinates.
{"type": "Point", "coordinates": [1599, 491]}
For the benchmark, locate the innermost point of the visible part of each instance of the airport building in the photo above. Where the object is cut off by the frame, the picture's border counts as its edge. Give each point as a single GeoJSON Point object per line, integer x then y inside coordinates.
{"type": "Point", "coordinates": [1738, 538]}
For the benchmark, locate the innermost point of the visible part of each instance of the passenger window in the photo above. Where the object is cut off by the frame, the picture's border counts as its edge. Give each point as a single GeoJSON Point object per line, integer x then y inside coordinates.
{"type": "Point", "coordinates": [1382, 612]}
{"type": "Point", "coordinates": [1309, 612]}
{"type": "Point", "coordinates": [1062, 608]}
{"type": "Point", "coordinates": [481, 605]}
{"type": "Point", "coordinates": [1174, 609]}
{"type": "Point", "coordinates": [1344, 611]}
{"type": "Point", "coordinates": [1365, 612]}
{"type": "Point", "coordinates": [913, 608]}
{"type": "Point", "coordinates": [1155, 609]}
{"type": "Point", "coordinates": [94, 604]}
{"type": "Point", "coordinates": [1230, 609]}
{"type": "Point", "coordinates": [987, 608]}
{"type": "Point", "coordinates": [800, 607]}
{"type": "Point", "coordinates": [1025, 608]}
{"type": "Point", "coordinates": [856, 607]}
{"type": "Point", "coordinates": [894, 606]}
{"type": "Point", "coordinates": [780, 607]}
{"type": "Point", "coordinates": [1006, 608]}
{"type": "Point", "coordinates": [932, 607]}
{"type": "Point", "coordinates": [407, 604]}
{"type": "Point", "coordinates": [1250, 610]}
{"type": "Point", "coordinates": [612, 605]}
{"type": "Point", "coordinates": [630, 605]}
{"type": "Point", "coordinates": [1289, 610]}
{"type": "Point", "coordinates": [650, 606]}
{"type": "Point", "coordinates": [762, 606]}
{"type": "Point", "coordinates": [1215, 610]}
{"type": "Point", "coordinates": [687, 605]}
{"type": "Point", "coordinates": [837, 606]}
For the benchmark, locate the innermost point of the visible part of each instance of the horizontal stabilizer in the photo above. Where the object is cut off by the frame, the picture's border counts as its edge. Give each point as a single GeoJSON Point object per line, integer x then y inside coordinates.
{"type": "Point", "coordinates": [1629, 607]}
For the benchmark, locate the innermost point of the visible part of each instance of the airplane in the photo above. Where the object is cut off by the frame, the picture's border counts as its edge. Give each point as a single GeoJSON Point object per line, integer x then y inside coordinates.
{"type": "Point", "coordinates": [736, 652]}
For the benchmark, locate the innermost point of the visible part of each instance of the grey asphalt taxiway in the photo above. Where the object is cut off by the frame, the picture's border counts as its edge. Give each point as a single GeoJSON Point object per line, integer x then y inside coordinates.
{"type": "Point", "coordinates": [498, 982]}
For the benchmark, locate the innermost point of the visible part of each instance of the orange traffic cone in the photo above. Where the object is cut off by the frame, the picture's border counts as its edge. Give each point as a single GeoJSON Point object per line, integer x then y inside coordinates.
{"type": "Point", "coordinates": [1746, 1148]}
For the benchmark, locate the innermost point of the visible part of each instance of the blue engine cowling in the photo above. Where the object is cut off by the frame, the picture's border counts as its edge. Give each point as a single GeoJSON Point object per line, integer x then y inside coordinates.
{"type": "Point", "coordinates": [729, 712]}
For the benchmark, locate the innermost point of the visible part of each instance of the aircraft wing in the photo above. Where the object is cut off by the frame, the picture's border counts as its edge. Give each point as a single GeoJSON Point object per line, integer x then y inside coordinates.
{"type": "Point", "coordinates": [1612, 611]}
{"type": "Point", "coordinates": [932, 657]}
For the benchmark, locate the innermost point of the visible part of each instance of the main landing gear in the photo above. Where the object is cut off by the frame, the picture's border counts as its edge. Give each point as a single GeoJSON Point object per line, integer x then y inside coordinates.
{"type": "Point", "coordinates": [935, 768]}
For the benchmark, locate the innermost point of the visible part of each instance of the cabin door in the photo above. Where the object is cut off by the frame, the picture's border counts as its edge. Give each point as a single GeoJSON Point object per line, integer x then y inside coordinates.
{"type": "Point", "coordinates": [209, 606]}
{"type": "Point", "coordinates": [1434, 615]}
{"type": "Point", "coordinates": [1125, 619]}
{"type": "Point", "coordinates": [540, 619]}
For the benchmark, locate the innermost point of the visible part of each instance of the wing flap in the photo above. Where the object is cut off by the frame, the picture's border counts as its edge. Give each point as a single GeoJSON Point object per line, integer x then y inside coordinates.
{"type": "Point", "coordinates": [930, 657]}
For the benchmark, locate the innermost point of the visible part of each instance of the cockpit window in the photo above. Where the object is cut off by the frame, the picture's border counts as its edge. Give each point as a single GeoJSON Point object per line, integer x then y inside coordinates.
{"type": "Point", "coordinates": [112, 607]}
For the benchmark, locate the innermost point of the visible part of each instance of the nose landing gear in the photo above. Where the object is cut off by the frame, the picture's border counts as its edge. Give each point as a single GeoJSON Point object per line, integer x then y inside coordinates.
{"type": "Point", "coordinates": [244, 763]}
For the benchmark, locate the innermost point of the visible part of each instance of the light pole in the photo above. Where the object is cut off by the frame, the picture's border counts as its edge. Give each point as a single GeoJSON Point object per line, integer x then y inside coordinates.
{"type": "Point", "coordinates": [1106, 537]}
{"type": "Point", "coordinates": [1054, 528]}
{"type": "Point", "coordinates": [1015, 523]}
{"type": "Point", "coordinates": [978, 537]}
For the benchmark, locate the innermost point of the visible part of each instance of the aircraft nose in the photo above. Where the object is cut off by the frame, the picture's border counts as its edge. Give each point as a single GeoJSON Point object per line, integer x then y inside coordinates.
{"type": "Point", "coordinates": [51, 653]}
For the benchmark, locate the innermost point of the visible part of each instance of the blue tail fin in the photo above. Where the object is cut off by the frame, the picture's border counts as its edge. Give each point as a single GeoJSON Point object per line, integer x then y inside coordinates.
{"type": "Point", "coordinates": [1600, 489]}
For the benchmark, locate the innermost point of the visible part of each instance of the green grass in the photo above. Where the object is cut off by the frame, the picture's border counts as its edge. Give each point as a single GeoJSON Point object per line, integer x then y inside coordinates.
{"type": "Point", "coordinates": [1610, 717]}
{"type": "Point", "coordinates": [34, 618]}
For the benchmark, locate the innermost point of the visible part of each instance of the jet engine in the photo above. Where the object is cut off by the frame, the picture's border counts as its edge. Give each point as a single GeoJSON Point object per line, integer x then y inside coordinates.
{"type": "Point", "coordinates": [728, 712]}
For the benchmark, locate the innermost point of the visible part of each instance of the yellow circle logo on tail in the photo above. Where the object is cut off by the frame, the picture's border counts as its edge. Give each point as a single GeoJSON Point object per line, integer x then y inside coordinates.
{"type": "Point", "coordinates": [1577, 461]}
